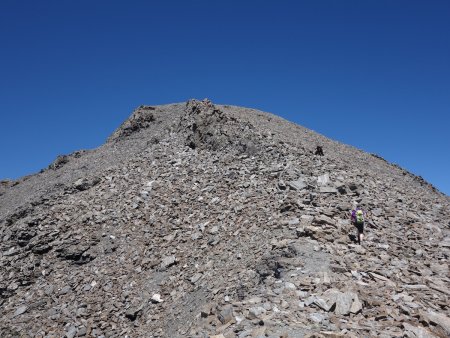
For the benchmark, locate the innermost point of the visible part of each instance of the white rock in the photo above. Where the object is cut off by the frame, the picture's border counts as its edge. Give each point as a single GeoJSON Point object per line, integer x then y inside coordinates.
{"type": "Point", "coordinates": [156, 298]}
{"type": "Point", "coordinates": [289, 285]}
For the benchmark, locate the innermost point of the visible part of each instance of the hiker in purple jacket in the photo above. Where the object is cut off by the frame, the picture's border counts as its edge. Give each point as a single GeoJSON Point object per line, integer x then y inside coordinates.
{"type": "Point", "coordinates": [358, 219]}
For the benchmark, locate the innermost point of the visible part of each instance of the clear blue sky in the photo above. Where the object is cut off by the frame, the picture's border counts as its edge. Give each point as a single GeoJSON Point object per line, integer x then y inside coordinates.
{"type": "Point", "coordinates": [374, 74]}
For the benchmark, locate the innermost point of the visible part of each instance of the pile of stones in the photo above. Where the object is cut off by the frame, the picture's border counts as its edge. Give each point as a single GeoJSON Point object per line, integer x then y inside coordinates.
{"type": "Point", "coordinates": [198, 220]}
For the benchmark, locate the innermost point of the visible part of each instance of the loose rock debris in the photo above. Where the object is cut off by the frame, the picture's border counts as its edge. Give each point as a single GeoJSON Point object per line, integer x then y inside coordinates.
{"type": "Point", "coordinates": [199, 220]}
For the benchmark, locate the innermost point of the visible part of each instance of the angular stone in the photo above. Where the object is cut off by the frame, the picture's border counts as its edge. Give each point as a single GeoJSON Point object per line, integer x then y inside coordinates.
{"type": "Point", "coordinates": [344, 303]}
{"type": "Point", "coordinates": [213, 230]}
{"type": "Point", "coordinates": [82, 331]}
{"type": "Point", "coordinates": [168, 261]}
{"type": "Point", "coordinates": [316, 317]}
{"type": "Point", "coordinates": [86, 183]}
{"type": "Point", "coordinates": [322, 219]}
{"type": "Point", "coordinates": [323, 180]}
{"type": "Point", "coordinates": [65, 289]}
{"type": "Point", "coordinates": [320, 302]}
{"type": "Point", "coordinates": [328, 190]}
{"type": "Point", "coordinates": [290, 286]}
{"type": "Point", "coordinates": [256, 312]}
{"type": "Point", "coordinates": [71, 331]}
{"type": "Point", "coordinates": [133, 312]}
{"type": "Point", "coordinates": [226, 315]}
{"type": "Point", "coordinates": [357, 306]}
{"type": "Point", "coordinates": [293, 221]}
{"type": "Point", "coordinates": [156, 298]}
{"type": "Point", "coordinates": [196, 277]}
{"type": "Point", "coordinates": [378, 276]}
{"type": "Point", "coordinates": [298, 184]}
{"type": "Point", "coordinates": [11, 252]}
{"type": "Point", "coordinates": [20, 310]}
{"type": "Point", "coordinates": [259, 332]}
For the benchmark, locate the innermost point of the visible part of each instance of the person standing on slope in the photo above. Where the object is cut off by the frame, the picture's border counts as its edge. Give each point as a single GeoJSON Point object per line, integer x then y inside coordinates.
{"type": "Point", "coordinates": [358, 219]}
{"type": "Point", "coordinates": [319, 151]}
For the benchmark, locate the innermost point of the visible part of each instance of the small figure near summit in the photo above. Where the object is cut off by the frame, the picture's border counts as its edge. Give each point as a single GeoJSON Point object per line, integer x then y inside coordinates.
{"type": "Point", "coordinates": [319, 151]}
{"type": "Point", "coordinates": [358, 220]}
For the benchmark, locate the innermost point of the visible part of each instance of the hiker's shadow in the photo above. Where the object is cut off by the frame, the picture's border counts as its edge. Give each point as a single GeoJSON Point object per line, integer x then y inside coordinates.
{"type": "Point", "coordinates": [353, 238]}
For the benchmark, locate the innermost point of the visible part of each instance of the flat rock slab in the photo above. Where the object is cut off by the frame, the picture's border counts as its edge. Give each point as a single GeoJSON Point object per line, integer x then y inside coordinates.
{"type": "Point", "coordinates": [341, 303]}
{"type": "Point", "coordinates": [298, 184]}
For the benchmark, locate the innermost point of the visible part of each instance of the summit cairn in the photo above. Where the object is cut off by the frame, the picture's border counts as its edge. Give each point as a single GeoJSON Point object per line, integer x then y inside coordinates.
{"type": "Point", "coordinates": [203, 220]}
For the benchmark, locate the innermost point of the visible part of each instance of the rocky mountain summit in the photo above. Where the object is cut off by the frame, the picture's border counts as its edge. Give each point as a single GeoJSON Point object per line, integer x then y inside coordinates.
{"type": "Point", "coordinates": [200, 220]}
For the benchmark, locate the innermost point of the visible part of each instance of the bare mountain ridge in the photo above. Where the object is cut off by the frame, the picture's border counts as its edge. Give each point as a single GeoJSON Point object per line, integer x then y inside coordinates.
{"type": "Point", "coordinates": [226, 215]}
{"type": "Point", "coordinates": [148, 123]}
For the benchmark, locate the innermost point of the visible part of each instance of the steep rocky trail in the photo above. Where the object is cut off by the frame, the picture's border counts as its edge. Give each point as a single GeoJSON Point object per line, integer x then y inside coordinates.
{"type": "Point", "coordinates": [196, 220]}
